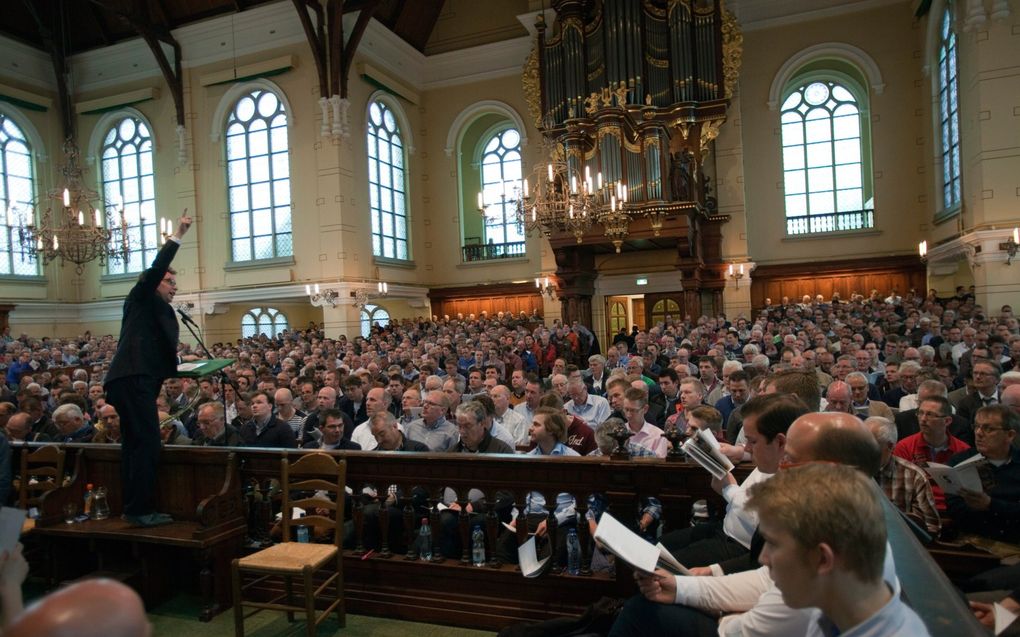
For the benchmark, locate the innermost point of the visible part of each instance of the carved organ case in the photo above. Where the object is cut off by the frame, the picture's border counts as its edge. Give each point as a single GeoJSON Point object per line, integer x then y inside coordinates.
{"type": "Point", "coordinates": [634, 91]}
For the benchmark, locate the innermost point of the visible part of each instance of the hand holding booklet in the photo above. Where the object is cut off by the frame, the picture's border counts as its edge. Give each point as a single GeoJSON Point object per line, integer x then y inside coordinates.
{"type": "Point", "coordinates": [633, 549]}
{"type": "Point", "coordinates": [962, 476]}
{"type": "Point", "coordinates": [704, 449]}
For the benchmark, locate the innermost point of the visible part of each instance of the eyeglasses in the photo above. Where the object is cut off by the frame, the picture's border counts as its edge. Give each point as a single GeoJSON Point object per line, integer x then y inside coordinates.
{"type": "Point", "coordinates": [987, 428]}
{"type": "Point", "coordinates": [977, 373]}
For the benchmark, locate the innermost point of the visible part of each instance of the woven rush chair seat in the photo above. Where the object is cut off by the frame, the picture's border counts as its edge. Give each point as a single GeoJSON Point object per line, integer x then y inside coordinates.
{"type": "Point", "coordinates": [289, 557]}
{"type": "Point", "coordinates": [314, 484]}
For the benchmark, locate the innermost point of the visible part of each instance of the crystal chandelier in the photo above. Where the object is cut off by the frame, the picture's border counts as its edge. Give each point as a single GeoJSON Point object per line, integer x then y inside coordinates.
{"type": "Point", "coordinates": [71, 228]}
{"type": "Point", "coordinates": [566, 200]}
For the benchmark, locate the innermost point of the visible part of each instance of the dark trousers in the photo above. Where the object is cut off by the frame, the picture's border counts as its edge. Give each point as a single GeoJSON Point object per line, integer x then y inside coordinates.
{"type": "Point", "coordinates": [640, 617]}
{"type": "Point", "coordinates": [701, 545]}
{"type": "Point", "coordinates": [134, 398]}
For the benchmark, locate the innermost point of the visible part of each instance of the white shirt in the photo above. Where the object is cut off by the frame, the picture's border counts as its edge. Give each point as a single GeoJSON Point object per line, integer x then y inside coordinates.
{"type": "Point", "coordinates": [362, 435]}
{"type": "Point", "coordinates": [740, 523]}
{"type": "Point", "coordinates": [594, 411]}
{"type": "Point", "coordinates": [515, 424]}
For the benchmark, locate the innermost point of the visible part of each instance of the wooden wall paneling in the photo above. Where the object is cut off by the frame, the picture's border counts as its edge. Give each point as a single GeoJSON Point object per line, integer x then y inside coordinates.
{"type": "Point", "coordinates": [846, 277]}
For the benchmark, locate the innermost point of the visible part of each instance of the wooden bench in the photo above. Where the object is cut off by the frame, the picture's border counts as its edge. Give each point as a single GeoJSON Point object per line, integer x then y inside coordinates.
{"type": "Point", "coordinates": [444, 591]}
{"type": "Point", "coordinates": [202, 491]}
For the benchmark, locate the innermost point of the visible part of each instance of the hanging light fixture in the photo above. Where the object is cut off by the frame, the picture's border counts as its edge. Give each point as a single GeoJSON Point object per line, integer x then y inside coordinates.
{"type": "Point", "coordinates": [71, 228]}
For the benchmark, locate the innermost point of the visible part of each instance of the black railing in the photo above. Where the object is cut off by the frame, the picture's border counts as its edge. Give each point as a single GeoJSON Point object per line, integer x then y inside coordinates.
{"type": "Point", "coordinates": [490, 251]}
{"type": "Point", "coordinates": [833, 222]}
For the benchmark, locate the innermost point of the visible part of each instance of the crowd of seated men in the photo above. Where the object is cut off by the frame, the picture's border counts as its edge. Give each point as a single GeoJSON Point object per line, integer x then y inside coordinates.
{"type": "Point", "coordinates": [928, 379]}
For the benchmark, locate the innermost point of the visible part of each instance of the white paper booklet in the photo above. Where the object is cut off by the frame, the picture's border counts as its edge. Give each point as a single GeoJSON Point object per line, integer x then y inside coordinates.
{"type": "Point", "coordinates": [962, 476]}
{"type": "Point", "coordinates": [704, 449]}
{"type": "Point", "coordinates": [633, 549]}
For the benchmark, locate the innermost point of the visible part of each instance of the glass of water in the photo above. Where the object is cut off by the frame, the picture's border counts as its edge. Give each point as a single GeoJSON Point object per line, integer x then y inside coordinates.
{"type": "Point", "coordinates": [70, 513]}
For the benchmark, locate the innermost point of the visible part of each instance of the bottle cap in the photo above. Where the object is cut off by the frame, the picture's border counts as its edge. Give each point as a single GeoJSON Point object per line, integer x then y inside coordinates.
{"type": "Point", "coordinates": [88, 486]}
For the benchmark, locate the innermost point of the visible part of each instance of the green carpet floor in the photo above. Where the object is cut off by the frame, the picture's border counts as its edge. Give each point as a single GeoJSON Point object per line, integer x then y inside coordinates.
{"type": "Point", "coordinates": [177, 617]}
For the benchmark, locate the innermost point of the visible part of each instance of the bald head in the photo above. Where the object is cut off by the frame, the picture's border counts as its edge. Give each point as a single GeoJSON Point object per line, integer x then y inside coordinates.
{"type": "Point", "coordinates": [94, 607]}
{"type": "Point", "coordinates": [1009, 397]}
{"type": "Point", "coordinates": [833, 437]}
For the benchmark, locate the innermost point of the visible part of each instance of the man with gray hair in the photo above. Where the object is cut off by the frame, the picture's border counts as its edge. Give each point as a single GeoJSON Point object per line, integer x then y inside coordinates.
{"type": "Point", "coordinates": [908, 377]}
{"type": "Point", "coordinates": [595, 377]}
{"type": "Point", "coordinates": [72, 424]}
{"type": "Point", "coordinates": [593, 410]}
{"type": "Point", "coordinates": [509, 419]}
{"type": "Point", "coordinates": [903, 482]}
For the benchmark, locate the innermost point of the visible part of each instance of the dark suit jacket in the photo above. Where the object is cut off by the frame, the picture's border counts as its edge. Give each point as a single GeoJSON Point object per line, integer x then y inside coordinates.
{"type": "Point", "coordinates": [967, 409]}
{"type": "Point", "coordinates": [906, 425]}
{"type": "Point", "coordinates": [345, 445]}
{"type": "Point", "coordinates": [346, 406]}
{"type": "Point", "coordinates": [601, 391]}
{"type": "Point", "coordinates": [230, 438]}
{"type": "Point", "coordinates": [149, 330]}
{"type": "Point", "coordinates": [276, 434]}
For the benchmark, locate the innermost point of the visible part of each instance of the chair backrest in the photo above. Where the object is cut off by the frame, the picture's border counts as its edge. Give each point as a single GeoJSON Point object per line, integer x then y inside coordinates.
{"type": "Point", "coordinates": [41, 471]}
{"type": "Point", "coordinates": [315, 481]}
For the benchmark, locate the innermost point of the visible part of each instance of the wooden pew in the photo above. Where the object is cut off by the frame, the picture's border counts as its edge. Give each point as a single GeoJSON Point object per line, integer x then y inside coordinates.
{"type": "Point", "coordinates": [444, 591]}
{"type": "Point", "coordinates": [452, 591]}
{"type": "Point", "coordinates": [200, 490]}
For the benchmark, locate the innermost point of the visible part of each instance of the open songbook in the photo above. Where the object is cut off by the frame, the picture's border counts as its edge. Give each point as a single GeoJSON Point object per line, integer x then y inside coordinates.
{"type": "Point", "coordinates": [704, 449]}
{"type": "Point", "coordinates": [962, 476]}
{"type": "Point", "coordinates": [633, 549]}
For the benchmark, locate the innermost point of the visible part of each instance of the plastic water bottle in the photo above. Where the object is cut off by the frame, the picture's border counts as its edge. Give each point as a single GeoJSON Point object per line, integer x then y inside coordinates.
{"type": "Point", "coordinates": [88, 499]}
{"type": "Point", "coordinates": [425, 541]}
{"type": "Point", "coordinates": [478, 546]}
{"type": "Point", "coordinates": [573, 553]}
{"type": "Point", "coordinates": [302, 534]}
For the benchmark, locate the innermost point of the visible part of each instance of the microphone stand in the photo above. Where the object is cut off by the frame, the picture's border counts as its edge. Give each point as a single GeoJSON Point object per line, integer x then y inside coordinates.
{"type": "Point", "coordinates": [224, 379]}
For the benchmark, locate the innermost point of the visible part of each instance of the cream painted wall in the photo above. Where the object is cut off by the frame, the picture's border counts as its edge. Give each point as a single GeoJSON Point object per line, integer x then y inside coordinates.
{"type": "Point", "coordinates": [330, 198]}
{"type": "Point", "coordinates": [440, 259]}
{"type": "Point", "coordinates": [891, 38]}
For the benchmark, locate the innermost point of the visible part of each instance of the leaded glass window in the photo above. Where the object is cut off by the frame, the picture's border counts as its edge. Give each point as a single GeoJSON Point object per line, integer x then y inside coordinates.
{"type": "Point", "coordinates": [372, 314]}
{"type": "Point", "coordinates": [949, 113]}
{"type": "Point", "coordinates": [263, 320]}
{"type": "Point", "coordinates": [387, 191]}
{"type": "Point", "coordinates": [258, 178]}
{"type": "Point", "coordinates": [822, 160]}
{"type": "Point", "coordinates": [17, 190]}
{"type": "Point", "coordinates": [129, 185]}
{"type": "Point", "coordinates": [501, 176]}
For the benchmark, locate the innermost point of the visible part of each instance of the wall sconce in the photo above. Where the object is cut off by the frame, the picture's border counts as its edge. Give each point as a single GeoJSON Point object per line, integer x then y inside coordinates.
{"type": "Point", "coordinates": [545, 287]}
{"type": "Point", "coordinates": [922, 251]}
{"type": "Point", "coordinates": [321, 298]}
{"type": "Point", "coordinates": [1011, 245]}
{"type": "Point", "coordinates": [383, 288]}
{"type": "Point", "coordinates": [736, 274]}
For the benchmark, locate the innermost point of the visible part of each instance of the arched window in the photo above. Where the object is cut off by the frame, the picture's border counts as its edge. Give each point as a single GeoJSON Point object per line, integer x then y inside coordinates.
{"type": "Point", "coordinates": [949, 112]}
{"type": "Point", "coordinates": [17, 190]}
{"type": "Point", "coordinates": [128, 183]}
{"type": "Point", "coordinates": [824, 174]}
{"type": "Point", "coordinates": [372, 314]}
{"type": "Point", "coordinates": [501, 176]}
{"type": "Point", "coordinates": [263, 320]}
{"type": "Point", "coordinates": [258, 177]}
{"type": "Point", "coordinates": [387, 191]}
{"type": "Point", "coordinates": [664, 308]}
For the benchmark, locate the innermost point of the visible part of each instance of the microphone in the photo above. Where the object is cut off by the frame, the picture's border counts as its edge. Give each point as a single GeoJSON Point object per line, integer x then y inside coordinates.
{"type": "Point", "coordinates": [186, 317]}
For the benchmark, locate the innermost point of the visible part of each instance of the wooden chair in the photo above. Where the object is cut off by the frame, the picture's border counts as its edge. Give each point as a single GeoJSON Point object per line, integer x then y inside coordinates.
{"type": "Point", "coordinates": [41, 472]}
{"type": "Point", "coordinates": [295, 560]}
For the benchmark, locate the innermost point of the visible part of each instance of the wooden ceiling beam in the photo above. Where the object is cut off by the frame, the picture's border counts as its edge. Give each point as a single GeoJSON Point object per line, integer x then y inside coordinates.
{"type": "Point", "coordinates": [53, 40]}
{"type": "Point", "coordinates": [97, 16]}
{"type": "Point", "coordinates": [315, 34]}
{"type": "Point", "coordinates": [141, 21]}
{"type": "Point", "coordinates": [341, 74]}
